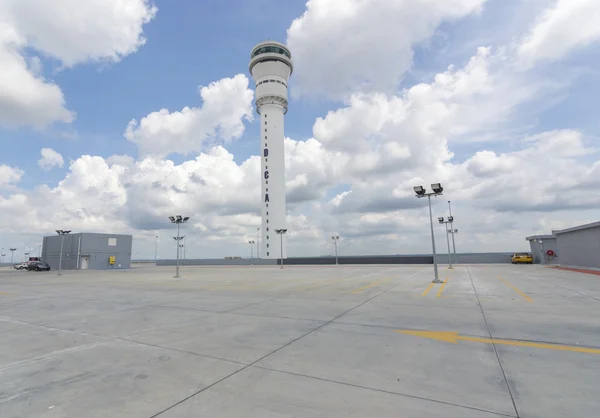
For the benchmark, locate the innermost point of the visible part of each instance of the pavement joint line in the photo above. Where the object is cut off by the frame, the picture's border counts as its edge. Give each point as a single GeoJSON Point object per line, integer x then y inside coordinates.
{"type": "Point", "coordinates": [407, 395]}
{"type": "Point", "coordinates": [54, 353]}
{"type": "Point", "coordinates": [513, 287]}
{"type": "Point", "coordinates": [512, 398]}
{"type": "Point", "coordinates": [280, 348]}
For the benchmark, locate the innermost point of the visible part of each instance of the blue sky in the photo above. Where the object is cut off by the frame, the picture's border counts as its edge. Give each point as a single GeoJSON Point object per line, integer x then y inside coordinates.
{"type": "Point", "coordinates": [191, 44]}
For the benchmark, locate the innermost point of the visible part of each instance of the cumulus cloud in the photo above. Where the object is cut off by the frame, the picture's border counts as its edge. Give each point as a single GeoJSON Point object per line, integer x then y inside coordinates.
{"type": "Point", "coordinates": [10, 175]}
{"type": "Point", "coordinates": [363, 45]}
{"type": "Point", "coordinates": [50, 159]}
{"type": "Point", "coordinates": [95, 30]}
{"type": "Point", "coordinates": [563, 27]}
{"type": "Point", "coordinates": [226, 104]}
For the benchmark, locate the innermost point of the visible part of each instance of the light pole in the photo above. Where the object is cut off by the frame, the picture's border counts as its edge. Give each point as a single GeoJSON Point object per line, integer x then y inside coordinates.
{"type": "Point", "coordinates": [257, 243]}
{"type": "Point", "coordinates": [2, 255]}
{"type": "Point", "coordinates": [25, 254]}
{"type": "Point", "coordinates": [251, 242]}
{"type": "Point", "coordinates": [62, 234]}
{"type": "Point", "coordinates": [437, 191]}
{"type": "Point", "coordinates": [39, 250]}
{"type": "Point", "coordinates": [280, 232]}
{"type": "Point", "coordinates": [178, 219]}
{"type": "Point", "coordinates": [335, 239]}
{"type": "Point", "coordinates": [453, 231]}
{"type": "Point", "coordinates": [445, 223]}
{"type": "Point", "coordinates": [12, 254]}
{"type": "Point", "coordinates": [156, 250]}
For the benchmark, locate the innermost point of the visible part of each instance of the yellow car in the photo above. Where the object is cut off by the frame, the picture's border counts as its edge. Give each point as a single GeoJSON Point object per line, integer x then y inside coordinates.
{"type": "Point", "coordinates": [521, 258]}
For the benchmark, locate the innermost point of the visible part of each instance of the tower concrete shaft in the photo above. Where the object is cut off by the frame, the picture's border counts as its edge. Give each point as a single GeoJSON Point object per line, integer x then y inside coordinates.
{"type": "Point", "coordinates": [271, 66]}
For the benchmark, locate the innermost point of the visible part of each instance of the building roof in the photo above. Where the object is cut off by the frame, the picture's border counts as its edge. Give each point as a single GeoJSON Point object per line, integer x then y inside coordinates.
{"type": "Point", "coordinates": [534, 237]}
{"type": "Point", "coordinates": [578, 228]}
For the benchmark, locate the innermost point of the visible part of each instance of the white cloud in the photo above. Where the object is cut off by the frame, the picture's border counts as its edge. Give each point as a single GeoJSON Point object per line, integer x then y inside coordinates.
{"type": "Point", "coordinates": [565, 26]}
{"type": "Point", "coordinates": [69, 31]}
{"type": "Point", "coordinates": [25, 98]}
{"type": "Point", "coordinates": [10, 175]}
{"type": "Point", "coordinates": [226, 104]}
{"type": "Point", "coordinates": [50, 159]}
{"type": "Point", "coordinates": [343, 46]}
{"type": "Point", "coordinates": [123, 160]}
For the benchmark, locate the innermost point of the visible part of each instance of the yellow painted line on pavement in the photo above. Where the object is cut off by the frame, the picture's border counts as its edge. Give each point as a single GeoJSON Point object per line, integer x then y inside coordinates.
{"type": "Point", "coordinates": [428, 289]}
{"type": "Point", "coordinates": [3, 293]}
{"type": "Point", "coordinates": [527, 298]}
{"type": "Point", "coordinates": [371, 285]}
{"type": "Point", "coordinates": [454, 338]}
{"type": "Point", "coordinates": [439, 293]}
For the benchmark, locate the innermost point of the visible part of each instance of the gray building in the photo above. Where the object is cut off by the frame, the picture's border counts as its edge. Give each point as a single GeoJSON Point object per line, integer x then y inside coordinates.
{"type": "Point", "coordinates": [541, 245]}
{"type": "Point", "coordinates": [580, 246]}
{"type": "Point", "coordinates": [85, 251]}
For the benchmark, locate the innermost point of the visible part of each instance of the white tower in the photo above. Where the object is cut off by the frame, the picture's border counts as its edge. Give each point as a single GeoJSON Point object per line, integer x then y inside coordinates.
{"type": "Point", "coordinates": [271, 67]}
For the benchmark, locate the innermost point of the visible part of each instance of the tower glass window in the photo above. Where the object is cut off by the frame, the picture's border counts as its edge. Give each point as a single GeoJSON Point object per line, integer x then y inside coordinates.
{"type": "Point", "coordinates": [271, 50]}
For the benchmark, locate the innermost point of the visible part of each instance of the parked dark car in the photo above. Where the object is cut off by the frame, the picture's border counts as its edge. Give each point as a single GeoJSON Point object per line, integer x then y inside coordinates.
{"type": "Point", "coordinates": [38, 266]}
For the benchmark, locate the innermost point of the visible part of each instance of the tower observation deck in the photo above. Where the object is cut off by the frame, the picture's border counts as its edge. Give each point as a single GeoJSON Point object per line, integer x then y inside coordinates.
{"type": "Point", "coordinates": [271, 66]}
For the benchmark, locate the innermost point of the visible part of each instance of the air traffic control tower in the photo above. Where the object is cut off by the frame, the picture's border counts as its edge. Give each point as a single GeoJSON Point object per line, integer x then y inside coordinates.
{"type": "Point", "coordinates": [271, 67]}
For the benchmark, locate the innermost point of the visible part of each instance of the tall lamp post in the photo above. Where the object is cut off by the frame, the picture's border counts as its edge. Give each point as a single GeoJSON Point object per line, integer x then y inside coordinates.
{"type": "Point", "coordinates": [437, 191]}
{"type": "Point", "coordinates": [25, 254]}
{"type": "Point", "coordinates": [178, 219]}
{"type": "Point", "coordinates": [335, 239]}
{"type": "Point", "coordinates": [2, 255]}
{"type": "Point", "coordinates": [453, 231]}
{"type": "Point", "coordinates": [445, 223]}
{"type": "Point", "coordinates": [12, 254]}
{"type": "Point", "coordinates": [62, 234]}
{"type": "Point", "coordinates": [39, 250]}
{"type": "Point", "coordinates": [257, 243]}
{"type": "Point", "coordinates": [280, 232]}
{"type": "Point", "coordinates": [251, 242]}
{"type": "Point", "coordinates": [156, 250]}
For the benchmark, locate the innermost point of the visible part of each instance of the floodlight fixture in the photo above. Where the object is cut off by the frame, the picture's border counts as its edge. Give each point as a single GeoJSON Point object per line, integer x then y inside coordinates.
{"type": "Point", "coordinates": [441, 219]}
{"type": "Point", "coordinates": [437, 188]}
{"type": "Point", "coordinates": [450, 219]}
{"type": "Point", "coordinates": [186, 219]}
{"type": "Point", "coordinates": [419, 190]}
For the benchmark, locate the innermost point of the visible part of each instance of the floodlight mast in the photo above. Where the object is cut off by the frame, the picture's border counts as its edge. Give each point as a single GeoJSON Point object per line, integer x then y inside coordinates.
{"type": "Point", "coordinates": [178, 219]}
{"type": "Point", "coordinates": [437, 191]}
{"type": "Point", "coordinates": [251, 242]}
{"type": "Point", "coordinates": [62, 234]}
{"type": "Point", "coordinates": [445, 223]}
{"type": "Point", "coordinates": [335, 239]}
{"type": "Point", "coordinates": [280, 232]}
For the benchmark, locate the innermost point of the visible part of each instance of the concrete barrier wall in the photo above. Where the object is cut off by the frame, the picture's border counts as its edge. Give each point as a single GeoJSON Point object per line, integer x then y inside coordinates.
{"type": "Point", "coordinates": [467, 258]}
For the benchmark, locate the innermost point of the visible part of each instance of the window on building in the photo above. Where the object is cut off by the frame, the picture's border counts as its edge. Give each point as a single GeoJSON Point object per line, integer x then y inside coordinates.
{"type": "Point", "coordinates": [265, 122]}
{"type": "Point", "coordinates": [267, 253]}
{"type": "Point", "coordinates": [112, 242]}
{"type": "Point", "coordinates": [267, 245]}
{"type": "Point", "coordinates": [265, 129]}
{"type": "Point", "coordinates": [267, 229]}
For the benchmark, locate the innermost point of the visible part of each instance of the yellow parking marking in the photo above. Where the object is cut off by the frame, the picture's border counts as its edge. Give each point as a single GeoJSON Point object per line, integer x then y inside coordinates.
{"type": "Point", "coordinates": [428, 289]}
{"type": "Point", "coordinates": [439, 293]}
{"type": "Point", "coordinates": [454, 337]}
{"type": "Point", "coordinates": [527, 298]}
{"type": "Point", "coordinates": [3, 293]}
{"type": "Point", "coordinates": [371, 285]}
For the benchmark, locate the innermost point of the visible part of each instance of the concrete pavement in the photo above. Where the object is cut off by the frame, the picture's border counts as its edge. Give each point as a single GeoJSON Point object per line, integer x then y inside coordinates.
{"type": "Point", "coordinates": [311, 341]}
